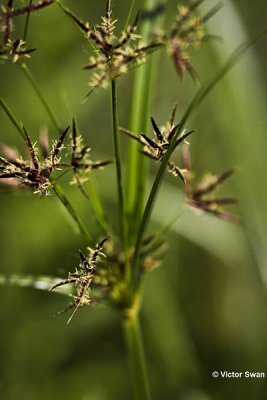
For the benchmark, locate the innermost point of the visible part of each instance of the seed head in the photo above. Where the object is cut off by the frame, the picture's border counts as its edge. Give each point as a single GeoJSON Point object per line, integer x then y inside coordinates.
{"type": "Point", "coordinates": [113, 54]}
{"type": "Point", "coordinates": [157, 147]}
{"type": "Point", "coordinates": [201, 197]}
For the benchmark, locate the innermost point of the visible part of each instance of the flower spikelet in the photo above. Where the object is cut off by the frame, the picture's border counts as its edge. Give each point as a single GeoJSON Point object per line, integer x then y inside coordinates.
{"type": "Point", "coordinates": [187, 31]}
{"type": "Point", "coordinates": [34, 172]}
{"type": "Point", "coordinates": [157, 147]}
{"type": "Point", "coordinates": [201, 197]}
{"type": "Point", "coordinates": [113, 54]}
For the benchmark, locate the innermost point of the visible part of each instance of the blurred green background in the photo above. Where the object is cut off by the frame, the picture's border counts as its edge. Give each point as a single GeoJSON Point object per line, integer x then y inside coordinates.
{"type": "Point", "coordinates": [205, 309]}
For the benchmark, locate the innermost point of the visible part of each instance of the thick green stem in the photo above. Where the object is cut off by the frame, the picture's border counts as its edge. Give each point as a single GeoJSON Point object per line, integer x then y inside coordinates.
{"type": "Point", "coordinates": [117, 152]}
{"type": "Point", "coordinates": [141, 101]}
{"type": "Point", "coordinates": [42, 99]}
{"type": "Point", "coordinates": [136, 357]}
{"type": "Point", "coordinates": [136, 176]}
{"type": "Point", "coordinates": [64, 200]}
{"type": "Point", "coordinates": [143, 225]}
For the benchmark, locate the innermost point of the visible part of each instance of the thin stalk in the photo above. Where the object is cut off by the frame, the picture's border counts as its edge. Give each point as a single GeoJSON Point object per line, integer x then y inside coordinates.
{"type": "Point", "coordinates": [129, 14]}
{"type": "Point", "coordinates": [227, 67]}
{"type": "Point", "coordinates": [166, 228]}
{"type": "Point", "coordinates": [141, 103]}
{"type": "Point", "coordinates": [97, 204]}
{"type": "Point", "coordinates": [117, 152]}
{"type": "Point", "coordinates": [64, 200]}
{"type": "Point", "coordinates": [17, 124]}
{"type": "Point", "coordinates": [93, 197]}
{"type": "Point", "coordinates": [145, 221]}
{"type": "Point", "coordinates": [136, 357]}
{"type": "Point", "coordinates": [39, 94]}
{"type": "Point", "coordinates": [27, 23]}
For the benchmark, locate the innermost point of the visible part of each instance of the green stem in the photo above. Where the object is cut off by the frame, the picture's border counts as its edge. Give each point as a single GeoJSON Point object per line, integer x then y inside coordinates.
{"type": "Point", "coordinates": [39, 94]}
{"type": "Point", "coordinates": [117, 151]}
{"type": "Point", "coordinates": [136, 357]}
{"type": "Point", "coordinates": [166, 228]}
{"type": "Point", "coordinates": [144, 223]}
{"type": "Point", "coordinates": [129, 15]}
{"type": "Point", "coordinates": [62, 197]}
{"type": "Point", "coordinates": [141, 103]}
{"type": "Point", "coordinates": [17, 124]}
{"type": "Point", "coordinates": [136, 176]}
{"type": "Point", "coordinates": [227, 67]}
{"type": "Point", "coordinates": [27, 23]}
{"type": "Point", "coordinates": [96, 203]}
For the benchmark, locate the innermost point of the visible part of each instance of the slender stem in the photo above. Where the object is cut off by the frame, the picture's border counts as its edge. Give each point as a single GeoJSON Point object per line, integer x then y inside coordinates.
{"type": "Point", "coordinates": [136, 176]}
{"type": "Point", "coordinates": [136, 357]}
{"type": "Point", "coordinates": [117, 151]}
{"type": "Point", "coordinates": [17, 124]}
{"type": "Point", "coordinates": [166, 228]}
{"type": "Point", "coordinates": [227, 67]}
{"type": "Point", "coordinates": [141, 103]}
{"type": "Point", "coordinates": [64, 200]}
{"type": "Point", "coordinates": [27, 23]}
{"type": "Point", "coordinates": [145, 221]}
{"type": "Point", "coordinates": [96, 203]}
{"type": "Point", "coordinates": [129, 14]}
{"type": "Point", "coordinates": [39, 94]}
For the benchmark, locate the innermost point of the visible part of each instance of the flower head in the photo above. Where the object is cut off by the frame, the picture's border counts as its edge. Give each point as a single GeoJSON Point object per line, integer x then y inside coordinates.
{"type": "Point", "coordinates": [112, 54]}
{"type": "Point", "coordinates": [100, 274]}
{"type": "Point", "coordinates": [36, 172]}
{"type": "Point", "coordinates": [187, 31]}
{"type": "Point", "coordinates": [33, 172]}
{"type": "Point", "coordinates": [157, 147]}
{"type": "Point", "coordinates": [201, 197]}
{"type": "Point", "coordinates": [83, 278]}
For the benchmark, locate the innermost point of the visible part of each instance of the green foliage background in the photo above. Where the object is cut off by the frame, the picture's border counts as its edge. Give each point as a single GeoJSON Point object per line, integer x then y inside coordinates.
{"type": "Point", "coordinates": [205, 308]}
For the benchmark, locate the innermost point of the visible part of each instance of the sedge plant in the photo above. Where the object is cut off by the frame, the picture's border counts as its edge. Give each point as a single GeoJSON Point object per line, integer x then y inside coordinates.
{"type": "Point", "coordinates": [112, 267]}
